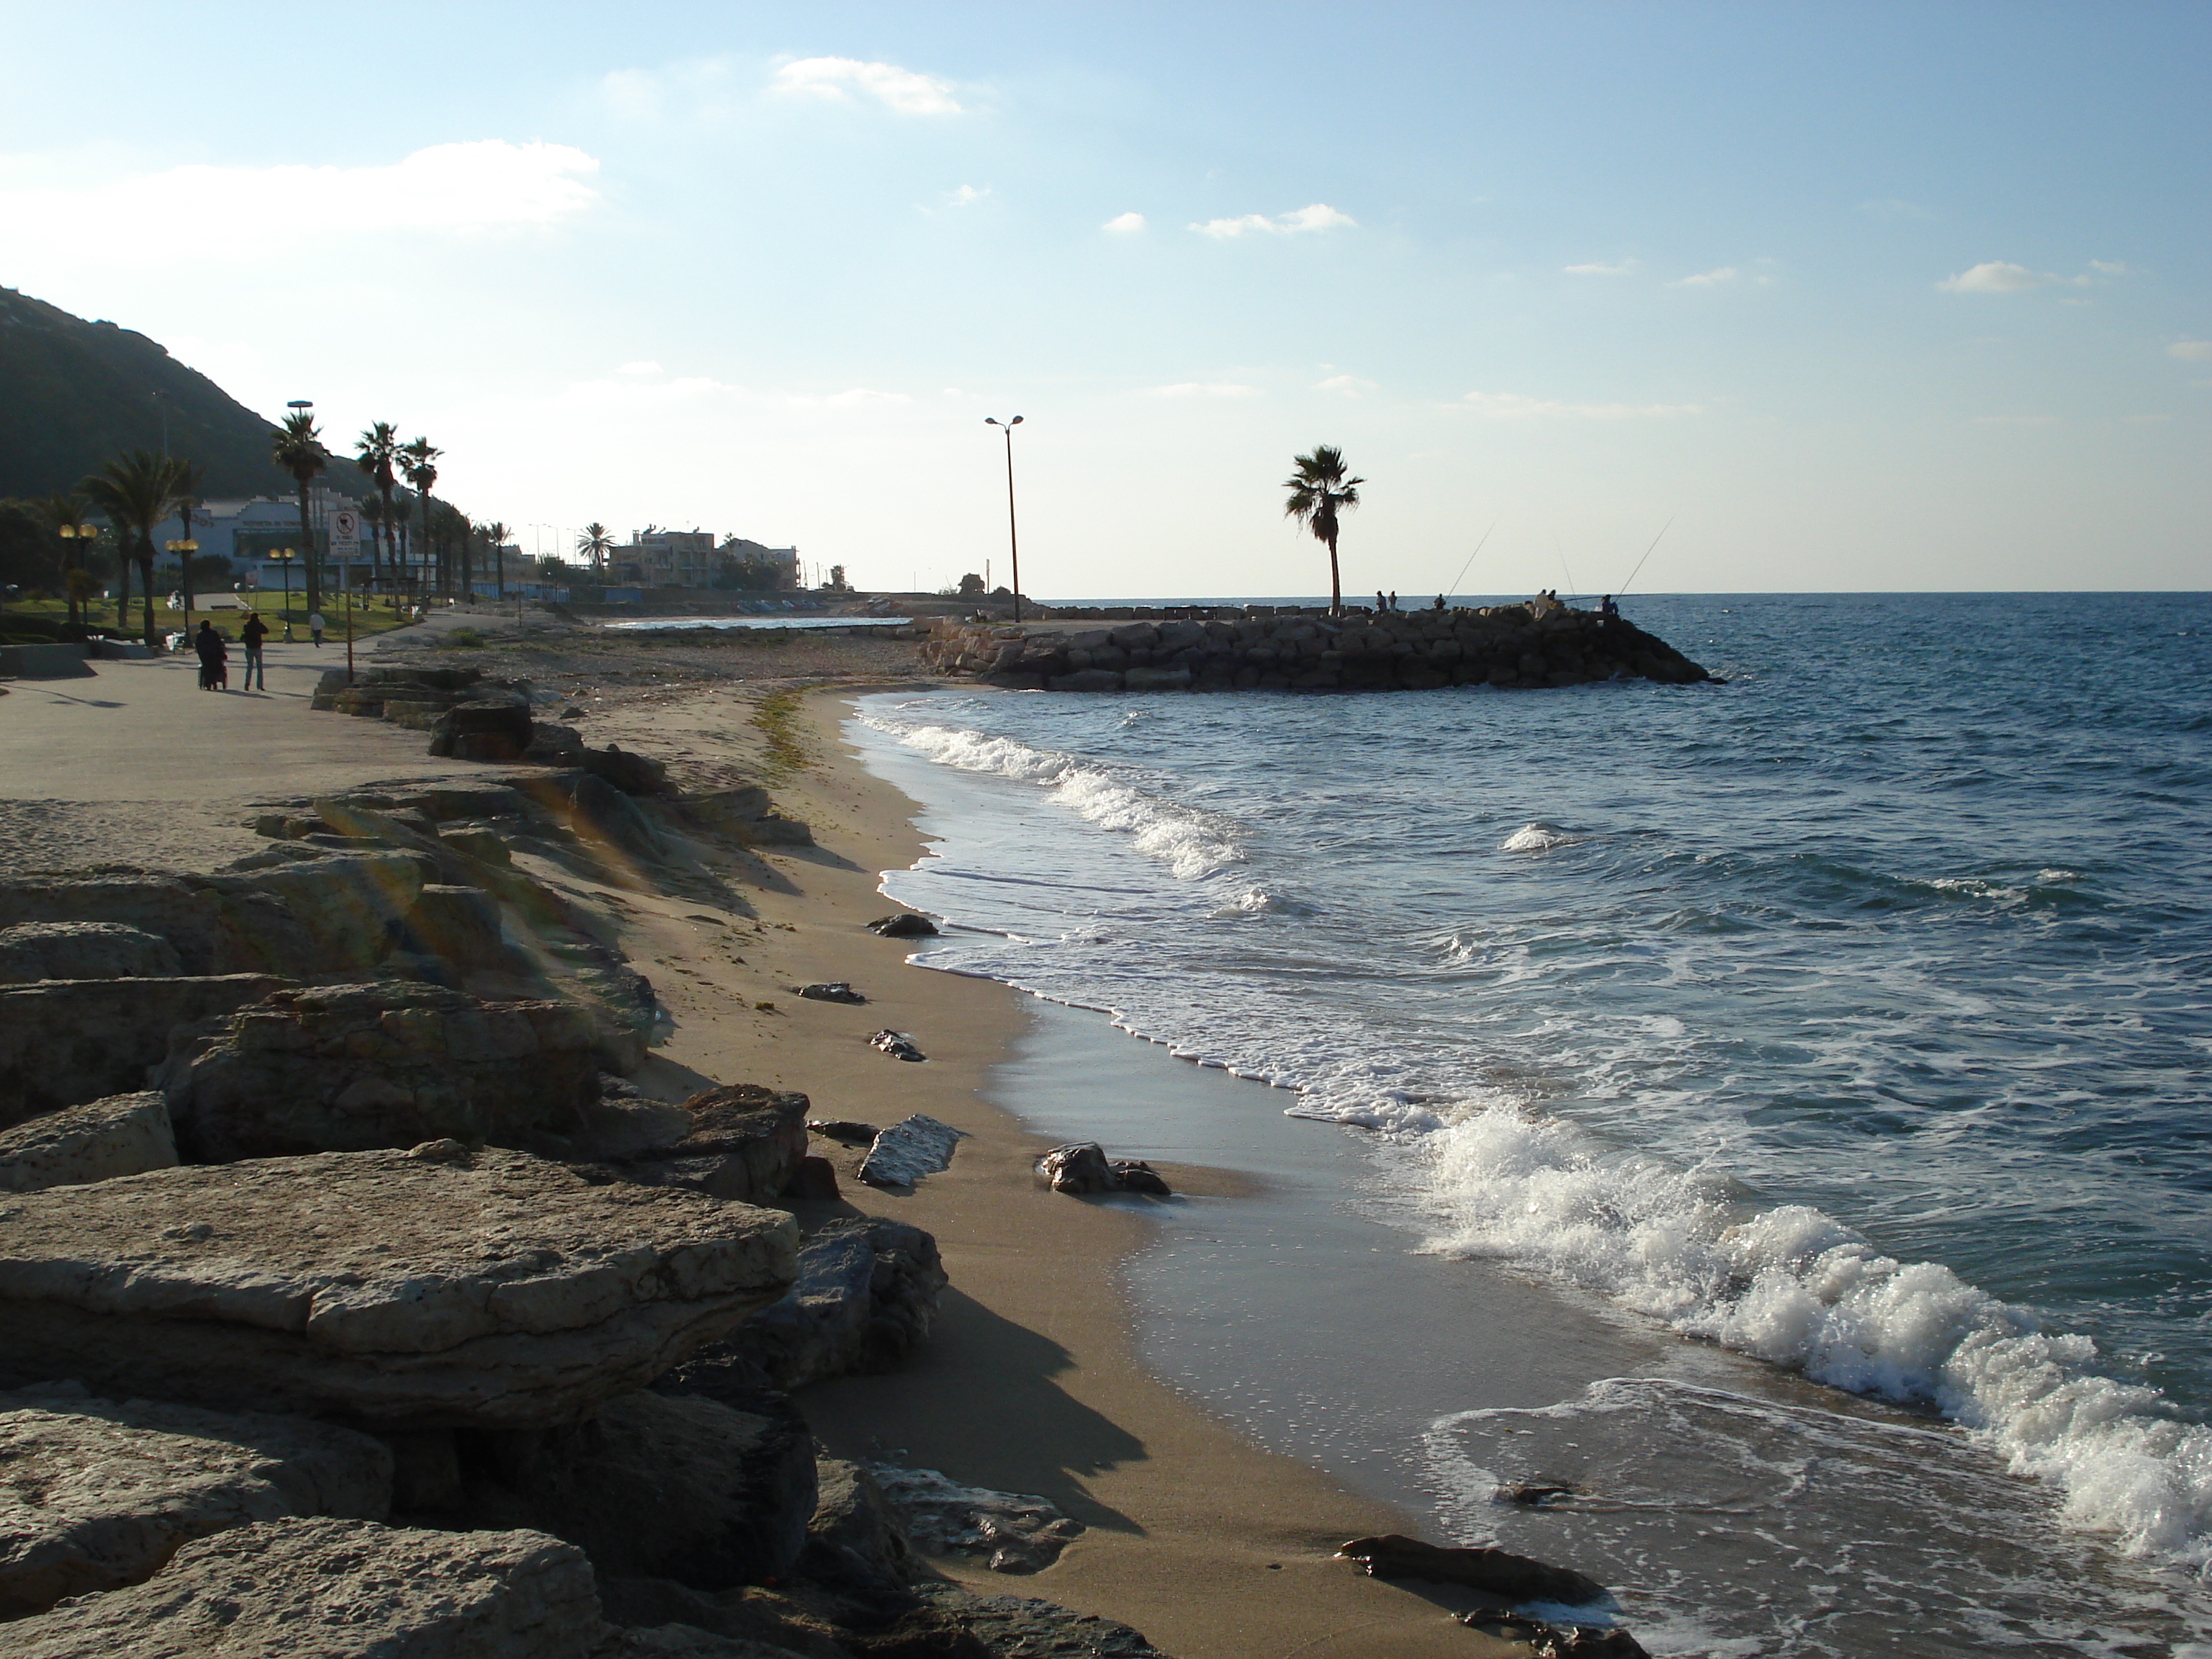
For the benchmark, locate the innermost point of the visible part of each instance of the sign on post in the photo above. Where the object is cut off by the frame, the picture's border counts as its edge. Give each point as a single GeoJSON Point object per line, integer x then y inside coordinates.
{"type": "Point", "coordinates": [345, 533]}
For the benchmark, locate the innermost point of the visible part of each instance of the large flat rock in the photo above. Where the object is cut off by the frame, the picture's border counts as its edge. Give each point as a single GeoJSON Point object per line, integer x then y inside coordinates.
{"type": "Point", "coordinates": [95, 1494]}
{"type": "Point", "coordinates": [338, 1590]}
{"type": "Point", "coordinates": [63, 1042]}
{"type": "Point", "coordinates": [429, 1288]}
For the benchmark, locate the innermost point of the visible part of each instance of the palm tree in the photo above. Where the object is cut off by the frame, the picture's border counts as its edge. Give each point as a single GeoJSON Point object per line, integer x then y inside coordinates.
{"type": "Point", "coordinates": [188, 489]}
{"type": "Point", "coordinates": [595, 545]}
{"type": "Point", "coordinates": [495, 533]}
{"type": "Point", "coordinates": [376, 453]}
{"type": "Point", "coordinates": [1319, 490]}
{"type": "Point", "coordinates": [137, 491]}
{"type": "Point", "coordinates": [65, 510]}
{"type": "Point", "coordinates": [418, 460]}
{"type": "Point", "coordinates": [299, 450]}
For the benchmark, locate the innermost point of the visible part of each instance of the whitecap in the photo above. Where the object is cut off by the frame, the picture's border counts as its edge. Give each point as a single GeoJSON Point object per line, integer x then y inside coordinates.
{"type": "Point", "coordinates": [1539, 837]}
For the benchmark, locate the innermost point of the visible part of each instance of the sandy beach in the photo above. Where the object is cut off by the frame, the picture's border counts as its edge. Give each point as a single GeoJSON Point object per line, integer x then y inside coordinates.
{"type": "Point", "coordinates": [1030, 1381]}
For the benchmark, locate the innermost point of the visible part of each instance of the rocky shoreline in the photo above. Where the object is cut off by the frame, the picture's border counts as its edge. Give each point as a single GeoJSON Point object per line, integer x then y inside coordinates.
{"type": "Point", "coordinates": [1541, 645]}
{"type": "Point", "coordinates": [371, 1286]}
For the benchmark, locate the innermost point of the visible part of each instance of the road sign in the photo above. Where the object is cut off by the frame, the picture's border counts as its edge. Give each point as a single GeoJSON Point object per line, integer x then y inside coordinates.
{"type": "Point", "coordinates": [345, 533]}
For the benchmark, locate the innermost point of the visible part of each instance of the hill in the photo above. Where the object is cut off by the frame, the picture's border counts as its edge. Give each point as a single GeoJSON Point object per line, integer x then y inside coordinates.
{"type": "Point", "coordinates": [74, 394]}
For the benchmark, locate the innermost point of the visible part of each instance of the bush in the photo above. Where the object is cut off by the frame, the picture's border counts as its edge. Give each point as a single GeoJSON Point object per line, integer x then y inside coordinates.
{"type": "Point", "coordinates": [463, 639]}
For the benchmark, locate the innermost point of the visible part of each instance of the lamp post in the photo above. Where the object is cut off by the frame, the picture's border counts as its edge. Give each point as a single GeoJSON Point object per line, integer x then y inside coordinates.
{"type": "Point", "coordinates": [183, 547]}
{"type": "Point", "coordinates": [284, 555]}
{"type": "Point", "coordinates": [1014, 540]}
{"type": "Point", "coordinates": [77, 531]}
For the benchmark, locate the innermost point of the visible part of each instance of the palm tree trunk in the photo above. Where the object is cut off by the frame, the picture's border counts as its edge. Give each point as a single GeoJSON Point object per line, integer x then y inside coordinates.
{"type": "Point", "coordinates": [307, 552]}
{"type": "Point", "coordinates": [145, 552]}
{"type": "Point", "coordinates": [1335, 586]}
{"type": "Point", "coordinates": [429, 547]}
{"type": "Point", "coordinates": [121, 583]}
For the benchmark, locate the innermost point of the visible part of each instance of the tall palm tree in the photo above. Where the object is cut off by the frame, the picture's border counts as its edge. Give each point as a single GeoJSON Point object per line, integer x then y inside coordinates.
{"type": "Point", "coordinates": [1319, 491]}
{"type": "Point", "coordinates": [595, 545]}
{"type": "Point", "coordinates": [419, 461]}
{"type": "Point", "coordinates": [495, 533]}
{"type": "Point", "coordinates": [376, 453]}
{"type": "Point", "coordinates": [137, 491]}
{"type": "Point", "coordinates": [299, 450]}
{"type": "Point", "coordinates": [188, 489]}
{"type": "Point", "coordinates": [65, 510]}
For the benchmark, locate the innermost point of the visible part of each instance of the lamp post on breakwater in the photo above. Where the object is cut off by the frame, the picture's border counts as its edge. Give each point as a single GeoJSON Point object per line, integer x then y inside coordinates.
{"type": "Point", "coordinates": [1014, 540]}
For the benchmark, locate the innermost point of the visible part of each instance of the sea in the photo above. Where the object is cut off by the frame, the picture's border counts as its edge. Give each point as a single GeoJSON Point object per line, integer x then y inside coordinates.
{"type": "Point", "coordinates": [1751, 1142]}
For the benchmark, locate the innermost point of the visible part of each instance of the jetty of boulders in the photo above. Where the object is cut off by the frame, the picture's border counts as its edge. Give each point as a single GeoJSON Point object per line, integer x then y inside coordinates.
{"type": "Point", "coordinates": [1541, 645]}
{"type": "Point", "coordinates": [357, 1301]}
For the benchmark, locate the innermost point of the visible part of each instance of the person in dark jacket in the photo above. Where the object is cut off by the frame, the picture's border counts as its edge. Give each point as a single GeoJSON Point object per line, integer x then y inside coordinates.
{"type": "Point", "coordinates": [251, 635]}
{"type": "Point", "coordinates": [214, 655]}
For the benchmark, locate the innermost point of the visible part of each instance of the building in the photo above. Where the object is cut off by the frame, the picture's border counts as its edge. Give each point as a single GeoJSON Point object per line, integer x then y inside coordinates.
{"type": "Point", "coordinates": [691, 558]}
{"type": "Point", "coordinates": [247, 533]}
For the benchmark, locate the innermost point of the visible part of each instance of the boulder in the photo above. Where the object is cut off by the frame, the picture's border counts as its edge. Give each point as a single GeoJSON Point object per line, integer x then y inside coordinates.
{"type": "Point", "coordinates": [1494, 1571]}
{"type": "Point", "coordinates": [845, 1131]}
{"type": "Point", "coordinates": [459, 928]}
{"type": "Point", "coordinates": [744, 1144]}
{"type": "Point", "coordinates": [898, 1045]}
{"type": "Point", "coordinates": [856, 1538]}
{"type": "Point", "coordinates": [338, 1590]}
{"type": "Point", "coordinates": [835, 991]}
{"type": "Point", "coordinates": [814, 1178]}
{"type": "Point", "coordinates": [905, 925]}
{"type": "Point", "coordinates": [911, 1148]}
{"type": "Point", "coordinates": [347, 1067]}
{"type": "Point", "coordinates": [1545, 1640]}
{"type": "Point", "coordinates": [427, 1289]}
{"type": "Point", "coordinates": [1085, 679]}
{"type": "Point", "coordinates": [476, 840]}
{"type": "Point", "coordinates": [1156, 679]}
{"type": "Point", "coordinates": [658, 1485]}
{"type": "Point", "coordinates": [66, 1042]}
{"type": "Point", "coordinates": [352, 906]}
{"type": "Point", "coordinates": [107, 1492]}
{"type": "Point", "coordinates": [1079, 1169]}
{"type": "Point", "coordinates": [122, 1135]}
{"type": "Point", "coordinates": [216, 924]}
{"type": "Point", "coordinates": [1010, 1532]}
{"type": "Point", "coordinates": [1021, 1626]}
{"type": "Point", "coordinates": [632, 773]}
{"type": "Point", "coordinates": [728, 810]}
{"type": "Point", "coordinates": [492, 728]}
{"type": "Point", "coordinates": [596, 811]}
{"type": "Point", "coordinates": [865, 1298]}
{"type": "Point", "coordinates": [32, 951]}
{"type": "Point", "coordinates": [554, 744]}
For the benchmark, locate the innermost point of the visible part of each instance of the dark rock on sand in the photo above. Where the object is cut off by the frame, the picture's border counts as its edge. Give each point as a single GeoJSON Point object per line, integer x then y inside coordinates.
{"type": "Point", "coordinates": [107, 1492]}
{"type": "Point", "coordinates": [846, 1132]}
{"type": "Point", "coordinates": [814, 1178]}
{"type": "Point", "coordinates": [1083, 1169]}
{"type": "Point", "coordinates": [1135, 1176]}
{"type": "Point", "coordinates": [906, 924]}
{"type": "Point", "coordinates": [835, 991]}
{"type": "Point", "coordinates": [657, 1486]}
{"type": "Point", "coordinates": [1498, 1572]}
{"type": "Point", "coordinates": [428, 1289]}
{"type": "Point", "coordinates": [349, 1067]}
{"type": "Point", "coordinates": [856, 1537]}
{"type": "Point", "coordinates": [338, 1590]}
{"type": "Point", "coordinates": [1545, 1640]}
{"type": "Point", "coordinates": [1011, 1532]}
{"type": "Point", "coordinates": [897, 1045]}
{"type": "Point", "coordinates": [121, 1135]}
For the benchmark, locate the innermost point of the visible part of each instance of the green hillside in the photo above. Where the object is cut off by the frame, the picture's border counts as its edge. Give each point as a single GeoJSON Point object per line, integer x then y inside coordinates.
{"type": "Point", "coordinates": [75, 393]}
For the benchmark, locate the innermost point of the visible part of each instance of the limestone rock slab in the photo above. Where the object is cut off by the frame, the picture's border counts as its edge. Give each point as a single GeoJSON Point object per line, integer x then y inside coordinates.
{"type": "Point", "coordinates": [63, 1042]}
{"type": "Point", "coordinates": [744, 1144]}
{"type": "Point", "coordinates": [349, 1067]}
{"type": "Point", "coordinates": [32, 950]}
{"type": "Point", "coordinates": [121, 1135]}
{"type": "Point", "coordinates": [95, 1494]}
{"type": "Point", "coordinates": [430, 1288]}
{"type": "Point", "coordinates": [910, 1149]}
{"type": "Point", "coordinates": [338, 1590]}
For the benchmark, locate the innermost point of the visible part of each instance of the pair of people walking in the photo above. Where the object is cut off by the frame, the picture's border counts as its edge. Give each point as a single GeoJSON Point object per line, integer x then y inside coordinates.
{"type": "Point", "coordinates": [214, 653]}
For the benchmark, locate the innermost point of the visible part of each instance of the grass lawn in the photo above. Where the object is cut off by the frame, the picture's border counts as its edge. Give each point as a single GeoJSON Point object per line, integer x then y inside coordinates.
{"type": "Point", "coordinates": [100, 614]}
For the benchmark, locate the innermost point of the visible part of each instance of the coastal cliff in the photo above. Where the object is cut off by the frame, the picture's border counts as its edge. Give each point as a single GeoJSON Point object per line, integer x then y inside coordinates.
{"type": "Point", "coordinates": [1541, 644]}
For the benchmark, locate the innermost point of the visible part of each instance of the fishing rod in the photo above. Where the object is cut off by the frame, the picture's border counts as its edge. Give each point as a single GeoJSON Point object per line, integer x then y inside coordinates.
{"type": "Point", "coordinates": [1556, 548]}
{"type": "Point", "coordinates": [1469, 565]}
{"type": "Point", "coordinates": [1638, 571]}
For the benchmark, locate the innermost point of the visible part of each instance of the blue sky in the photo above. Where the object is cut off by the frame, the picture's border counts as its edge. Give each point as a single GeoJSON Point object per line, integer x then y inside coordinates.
{"type": "Point", "coordinates": [1858, 296]}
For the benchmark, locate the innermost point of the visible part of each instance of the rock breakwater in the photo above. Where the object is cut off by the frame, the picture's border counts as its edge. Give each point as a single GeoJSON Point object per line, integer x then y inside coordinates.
{"type": "Point", "coordinates": [1540, 645]}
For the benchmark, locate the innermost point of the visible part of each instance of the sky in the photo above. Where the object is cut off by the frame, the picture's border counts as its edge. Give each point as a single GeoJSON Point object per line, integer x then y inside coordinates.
{"type": "Point", "coordinates": [1839, 297]}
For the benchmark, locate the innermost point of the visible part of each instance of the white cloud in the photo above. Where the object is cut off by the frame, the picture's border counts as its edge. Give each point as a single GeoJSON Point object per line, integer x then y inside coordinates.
{"type": "Point", "coordinates": [2190, 351]}
{"type": "Point", "coordinates": [1125, 224]}
{"type": "Point", "coordinates": [644, 366]}
{"type": "Point", "coordinates": [1349, 386]}
{"type": "Point", "coordinates": [2111, 268]}
{"type": "Point", "coordinates": [1202, 389]}
{"type": "Point", "coordinates": [1713, 278]}
{"type": "Point", "coordinates": [1596, 270]}
{"type": "Point", "coordinates": [966, 196]}
{"type": "Point", "coordinates": [1513, 406]}
{"type": "Point", "coordinates": [1318, 216]}
{"type": "Point", "coordinates": [1991, 276]}
{"type": "Point", "coordinates": [903, 90]}
{"type": "Point", "coordinates": [229, 213]}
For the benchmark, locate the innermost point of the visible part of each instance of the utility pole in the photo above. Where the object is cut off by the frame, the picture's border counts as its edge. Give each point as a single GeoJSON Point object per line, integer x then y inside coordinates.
{"type": "Point", "coordinates": [1014, 540]}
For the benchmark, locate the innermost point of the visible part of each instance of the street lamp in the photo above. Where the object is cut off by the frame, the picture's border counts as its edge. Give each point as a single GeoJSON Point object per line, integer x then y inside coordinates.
{"type": "Point", "coordinates": [75, 530]}
{"type": "Point", "coordinates": [284, 555]}
{"type": "Point", "coordinates": [1014, 540]}
{"type": "Point", "coordinates": [183, 547]}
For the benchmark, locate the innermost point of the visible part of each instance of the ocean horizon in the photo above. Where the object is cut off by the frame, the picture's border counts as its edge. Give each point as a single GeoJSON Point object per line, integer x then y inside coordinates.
{"type": "Point", "coordinates": [1841, 1031]}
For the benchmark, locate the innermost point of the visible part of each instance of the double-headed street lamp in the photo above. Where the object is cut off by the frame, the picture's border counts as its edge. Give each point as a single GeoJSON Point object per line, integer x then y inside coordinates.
{"type": "Point", "coordinates": [1014, 540]}
{"type": "Point", "coordinates": [183, 547]}
{"type": "Point", "coordinates": [75, 530]}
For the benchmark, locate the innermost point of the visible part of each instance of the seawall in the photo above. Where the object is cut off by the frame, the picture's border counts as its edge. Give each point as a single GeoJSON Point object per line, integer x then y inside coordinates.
{"type": "Point", "coordinates": [1539, 644]}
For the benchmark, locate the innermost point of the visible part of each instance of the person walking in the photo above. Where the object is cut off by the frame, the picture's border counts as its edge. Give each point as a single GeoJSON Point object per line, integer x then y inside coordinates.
{"type": "Point", "coordinates": [315, 628]}
{"type": "Point", "coordinates": [252, 634]}
{"type": "Point", "coordinates": [212, 654]}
